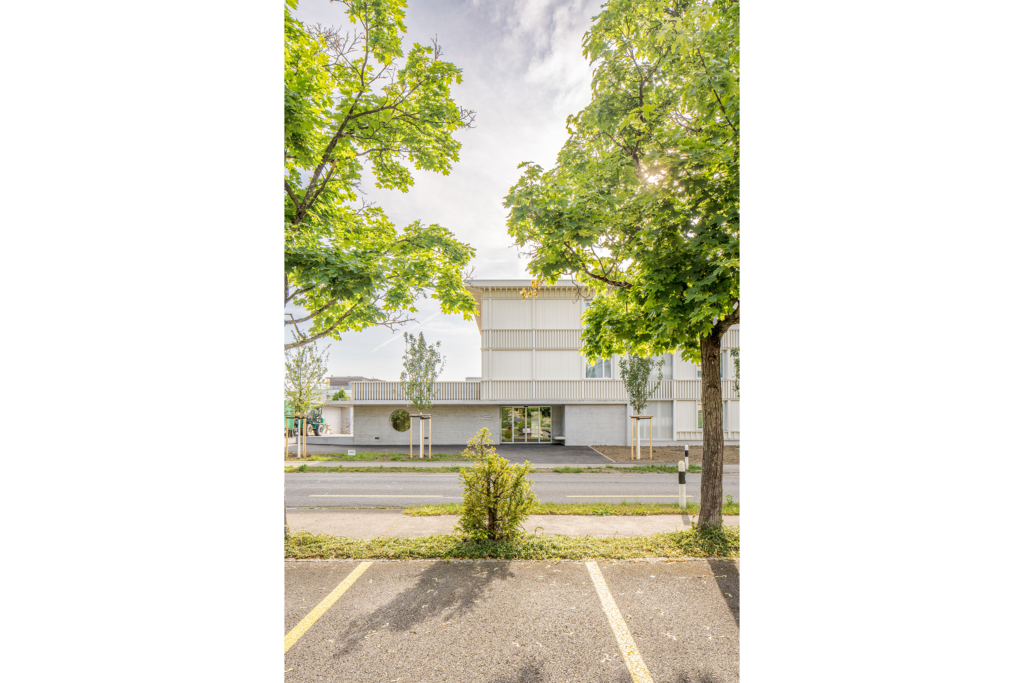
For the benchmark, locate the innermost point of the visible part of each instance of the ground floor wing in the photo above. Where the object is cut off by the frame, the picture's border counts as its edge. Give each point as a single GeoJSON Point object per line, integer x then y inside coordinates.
{"type": "Point", "coordinates": [575, 424]}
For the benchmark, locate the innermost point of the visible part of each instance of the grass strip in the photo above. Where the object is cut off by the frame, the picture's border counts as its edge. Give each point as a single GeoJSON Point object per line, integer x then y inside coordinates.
{"type": "Point", "coordinates": [625, 509]}
{"type": "Point", "coordinates": [375, 456]}
{"type": "Point", "coordinates": [608, 469]}
{"type": "Point", "coordinates": [697, 542]}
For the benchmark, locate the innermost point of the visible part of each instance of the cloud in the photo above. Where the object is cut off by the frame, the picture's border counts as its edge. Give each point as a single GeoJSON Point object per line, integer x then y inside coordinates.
{"type": "Point", "coordinates": [523, 72]}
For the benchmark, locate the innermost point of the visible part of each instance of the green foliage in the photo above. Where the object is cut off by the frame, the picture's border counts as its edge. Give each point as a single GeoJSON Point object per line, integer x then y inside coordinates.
{"type": "Point", "coordinates": [496, 497]}
{"type": "Point", "coordinates": [735, 353]}
{"type": "Point", "coordinates": [635, 372]}
{"type": "Point", "coordinates": [356, 102]}
{"type": "Point", "coordinates": [422, 363]}
{"type": "Point", "coordinates": [305, 373]}
{"type": "Point", "coordinates": [719, 542]}
{"type": "Point", "coordinates": [643, 203]}
{"type": "Point", "coordinates": [340, 395]}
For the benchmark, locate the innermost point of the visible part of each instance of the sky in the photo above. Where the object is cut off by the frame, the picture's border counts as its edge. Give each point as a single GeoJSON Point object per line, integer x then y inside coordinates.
{"type": "Point", "coordinates": [524, 73]}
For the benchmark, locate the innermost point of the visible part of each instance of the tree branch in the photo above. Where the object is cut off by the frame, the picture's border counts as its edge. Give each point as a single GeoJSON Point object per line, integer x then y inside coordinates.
{"type": "Point", "coordinates": [310, 340]}
{"type": "Point", "coordinates": [288, 297]}
{"type": "Point", "coordinates": [314, 313]}
{"type": "Point", "coordinates": [723, 325]}
{"type": "Point", "coordinates": [288, 189]}
{"type": "Point", "coordinates": [720, 105]}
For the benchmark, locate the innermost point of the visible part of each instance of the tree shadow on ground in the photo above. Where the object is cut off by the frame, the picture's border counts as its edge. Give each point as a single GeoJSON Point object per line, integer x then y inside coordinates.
{"type": "Point", "coordinates": [444, 590]}
{"type": "Point", "coordinates": [727, 576]}
{"type": "Point", "coordinates": [702, 676]}
{"type": "Point", "coordinates": [529, 672]}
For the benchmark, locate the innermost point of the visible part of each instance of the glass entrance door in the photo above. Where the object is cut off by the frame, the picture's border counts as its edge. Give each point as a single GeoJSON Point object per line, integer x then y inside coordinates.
{"type": "Point", "coordinates": [526, 424]}
{"type": "Point", "coordinates": [519, 427]}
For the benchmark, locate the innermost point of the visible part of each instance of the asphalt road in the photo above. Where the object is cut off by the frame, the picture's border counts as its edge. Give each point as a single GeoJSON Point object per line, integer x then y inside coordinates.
{"type": "Point", "coordinates": [364, 489]}
{"type": "Point", "coordinates": [513, 622]}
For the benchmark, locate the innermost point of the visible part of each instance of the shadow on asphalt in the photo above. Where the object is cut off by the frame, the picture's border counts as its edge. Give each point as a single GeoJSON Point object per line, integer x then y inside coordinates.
{"type": "Point", "coordinates": [728, 579]}
{"type": "Point", "coordinates": [527, 673]}
{"type": "Point", "coordinates": [700, 677]}
{"type": "Point", "coordinates": [458, 586]}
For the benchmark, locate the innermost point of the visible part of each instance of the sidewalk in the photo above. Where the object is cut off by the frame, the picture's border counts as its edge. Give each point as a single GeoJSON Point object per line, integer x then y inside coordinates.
{"type": "Point", "coordinates": [393, 523]}
{"type": "Point", "coordinates": [727, 468]}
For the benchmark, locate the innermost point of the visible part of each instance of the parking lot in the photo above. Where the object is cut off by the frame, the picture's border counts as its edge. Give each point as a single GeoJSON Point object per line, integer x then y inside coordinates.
{"type": "Point", "coordinates": [512, 622]}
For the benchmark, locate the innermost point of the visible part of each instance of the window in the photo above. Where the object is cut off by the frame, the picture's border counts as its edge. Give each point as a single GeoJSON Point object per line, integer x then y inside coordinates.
{"type": "Point", "coordinates": [661, 411]}
{"type": "Point", "coordinates": [666, 369]}
{"type": "Point", "coordinates": [602, 370]}
{"type": "Point", "coordinates": [700, 417]}
{"type": "Point", "coordinates": [400, 420]}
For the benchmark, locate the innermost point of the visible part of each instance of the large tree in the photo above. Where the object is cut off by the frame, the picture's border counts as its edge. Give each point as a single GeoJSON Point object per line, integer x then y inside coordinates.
{"type": "Point", "coordinates": [355, 101]}
{"type": "Point", "coordinates": [643, 203]}
{"type": "Point", "coordinates": [351, 98]}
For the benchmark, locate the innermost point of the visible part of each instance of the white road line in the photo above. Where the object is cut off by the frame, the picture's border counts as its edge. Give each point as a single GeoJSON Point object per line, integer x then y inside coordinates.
{"type": "Point", "coordinates": [625, 495]}
{"type": "Point", "coordinates": [365, 495]}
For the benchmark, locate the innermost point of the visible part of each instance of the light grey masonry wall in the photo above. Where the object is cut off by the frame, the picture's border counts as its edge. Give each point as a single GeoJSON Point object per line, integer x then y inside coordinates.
{"type": "Point", "coordinates": [332, 416]}
{"type": "Point", "coordinates": [453, 425]}
{"type": "Point", "coordinates": [595, 425]}
{"type": "Point", "coordinates": [339, 418]}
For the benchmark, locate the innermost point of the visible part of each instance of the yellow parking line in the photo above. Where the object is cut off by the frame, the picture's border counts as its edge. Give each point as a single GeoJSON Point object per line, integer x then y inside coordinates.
{"type": "Point", "coordinates": [325, 604]}
{"type": "Point", "coordinates": [630, 653]}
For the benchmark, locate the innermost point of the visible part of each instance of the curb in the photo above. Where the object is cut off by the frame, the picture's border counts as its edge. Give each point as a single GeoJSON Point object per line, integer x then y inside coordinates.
{"type": "Point", "coordinates": [554, 561]}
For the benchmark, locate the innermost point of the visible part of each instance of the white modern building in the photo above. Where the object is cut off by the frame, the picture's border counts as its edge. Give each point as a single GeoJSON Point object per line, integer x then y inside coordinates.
{"type": "Point", "coordinates": [535, 387]}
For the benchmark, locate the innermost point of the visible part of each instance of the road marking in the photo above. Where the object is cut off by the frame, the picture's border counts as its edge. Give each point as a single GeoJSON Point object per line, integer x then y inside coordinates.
{"type": "Point", "coordinates": [325, 604]}
{"type": "Point", "coordinates": [625, 495]}
{"type": "Point", "coordinates": [630, 653]}
{"type": "Point", "coordinates": [365, 495]}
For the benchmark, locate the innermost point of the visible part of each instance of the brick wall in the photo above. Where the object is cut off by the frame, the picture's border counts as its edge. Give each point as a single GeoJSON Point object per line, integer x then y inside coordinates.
{"type": "Point", "coordinates": [595, 425]}
{"type": "Point", "coordinates": [453, 425]}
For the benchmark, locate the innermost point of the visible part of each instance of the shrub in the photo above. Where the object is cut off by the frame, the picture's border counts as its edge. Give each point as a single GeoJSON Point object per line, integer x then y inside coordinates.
{"type": "Point", "coordinates": [340, 395]}
{"type": "Point", "coordinates": [496, 496]}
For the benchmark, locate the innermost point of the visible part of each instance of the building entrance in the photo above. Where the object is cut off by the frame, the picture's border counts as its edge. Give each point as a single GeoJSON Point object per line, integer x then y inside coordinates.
{"type": "Point", "coordinates": [526, 424]}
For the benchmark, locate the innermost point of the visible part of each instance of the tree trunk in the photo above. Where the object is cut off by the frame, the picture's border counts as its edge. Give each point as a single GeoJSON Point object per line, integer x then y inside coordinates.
{"type": "Point", "coordinates": [714, 439]}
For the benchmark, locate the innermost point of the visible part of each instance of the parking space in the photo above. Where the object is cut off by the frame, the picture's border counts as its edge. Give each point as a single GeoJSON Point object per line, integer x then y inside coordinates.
{"type": "Point", "coordinates": [513, 621]}
{"type": "Point", "coordinates": [684, 617]}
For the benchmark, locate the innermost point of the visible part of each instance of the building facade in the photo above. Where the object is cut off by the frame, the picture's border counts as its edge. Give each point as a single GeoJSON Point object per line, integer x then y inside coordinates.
{"type": "Point", "coordinates": [535, 387]}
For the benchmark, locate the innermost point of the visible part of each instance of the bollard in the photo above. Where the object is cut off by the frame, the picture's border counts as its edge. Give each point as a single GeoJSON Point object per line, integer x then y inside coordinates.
{"type": "Point", "coordinates": [682, 486]}
{"type": "Point", "coordinates": [686, 455]}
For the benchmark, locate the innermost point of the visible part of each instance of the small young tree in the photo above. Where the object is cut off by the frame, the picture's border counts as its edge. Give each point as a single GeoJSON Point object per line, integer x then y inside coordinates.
{"type": "Point", "coordinates": [340, 395]}
{"type": "Point", "coordinates": [735, 353]}
{"type": "Point", "coordinates": [422, 364]}
{"type": "Point", "coordinates": [305, 373]}
{"type": "Point", "coordinates": [635, 372]}
{"type": "Point", "coordinates": [496, 497]}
